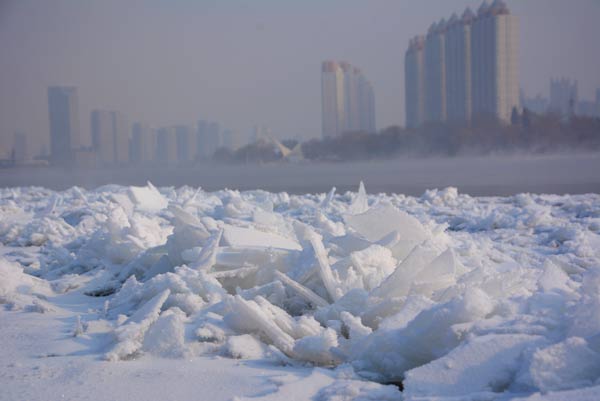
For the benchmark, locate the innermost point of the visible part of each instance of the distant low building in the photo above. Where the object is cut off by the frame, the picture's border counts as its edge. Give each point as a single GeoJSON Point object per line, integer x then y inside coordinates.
{"type": "Point", "coordinates": [20, 152]}
{"type": "Point", "coordinates": [563, 96]}
{"type": "Point", "coordinates": [537, 104]}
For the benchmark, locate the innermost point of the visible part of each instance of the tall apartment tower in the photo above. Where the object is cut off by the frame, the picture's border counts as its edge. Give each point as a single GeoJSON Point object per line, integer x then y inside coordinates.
{"type": "Point", "coordinates": [351, 107]}
{"type": "Point", "coordinates": [143, 144]}
{"type": "Point", "coordinates": [186, 143]}
{"type": "Point", "coordinates": [208, 138]}
{"type": "Point", "coordinates": [64, 124]}
{"type": "Point", "coordinates": [435, 73]}
{"type": "Point", "coordinates": [470, 65]}
{"type": "Point", "coordinates": [414, 77]}
{"type": "Point", "coordinates": [166, 146]}
{"type": "Point", "coordinates": [366, 105]}
{"type": "Point", "coordinates": [458, 67]}
{"type": "Point", "coordinates": [347, 100]}
{"type": "Point", "coordinates": [332, 99]}
{"type": "Point", "coordinates": [110, 137]}
{"type": "Point", "coordinates": [495, 61]}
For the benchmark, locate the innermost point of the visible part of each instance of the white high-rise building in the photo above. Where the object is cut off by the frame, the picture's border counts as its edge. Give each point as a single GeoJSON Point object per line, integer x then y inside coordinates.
{"type": "Point", "coordinates": [414, 78]}
{"type": "Point", "coordinates": [495, 61]}
{"type": "Point", "coordinates": [348, 100]}
{"type": "Point", "coordinates": [332, 99]}
{"type": "Point", "coordinates": [458, 67]}
{"type": "Point", "coordinates": [366, 105]}
{"type": "Point", "coordinates": [435, 73]}
{"type": "Point", "coordinates": [469, 65]}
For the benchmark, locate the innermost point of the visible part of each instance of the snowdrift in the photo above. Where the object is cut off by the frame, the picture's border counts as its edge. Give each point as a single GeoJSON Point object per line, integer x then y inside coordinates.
{"type": "Point", "coordinates": [449, 295]}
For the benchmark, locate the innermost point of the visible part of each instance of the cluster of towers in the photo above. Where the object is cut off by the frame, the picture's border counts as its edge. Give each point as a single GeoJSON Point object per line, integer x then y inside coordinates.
{"type": "Point", "coordinates": [114, 142]}
{"type": "Point", "coordinates": [347, 99]}
{"type": "Point", "coordinates": [465, 67]}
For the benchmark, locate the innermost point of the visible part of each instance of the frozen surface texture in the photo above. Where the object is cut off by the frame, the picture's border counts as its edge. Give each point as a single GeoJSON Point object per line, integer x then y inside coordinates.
{"type": "Point", "coordinates": [171, 293]}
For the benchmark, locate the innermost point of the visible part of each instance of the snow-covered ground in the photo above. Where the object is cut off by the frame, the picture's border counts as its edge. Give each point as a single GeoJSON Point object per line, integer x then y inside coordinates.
{"type": "Point", "coordinates": [144, 294]}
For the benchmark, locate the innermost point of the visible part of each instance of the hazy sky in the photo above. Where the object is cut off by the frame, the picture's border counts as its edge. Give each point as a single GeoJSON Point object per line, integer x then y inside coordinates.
{"type": "Point", "coordinates": [243, 62]}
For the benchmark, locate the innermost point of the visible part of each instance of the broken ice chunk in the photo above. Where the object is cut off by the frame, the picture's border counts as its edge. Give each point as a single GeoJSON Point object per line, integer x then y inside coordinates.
{"type": "Point", "coordinates": [248, 237]}
{"type": "Point", "coordinates": [130, 335]}
{"type": "Point", "coordinates": [147, 198]}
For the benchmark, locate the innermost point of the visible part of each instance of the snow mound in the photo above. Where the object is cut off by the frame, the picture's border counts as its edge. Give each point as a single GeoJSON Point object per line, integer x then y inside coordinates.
{"type": "Point", "coordinates": [445, 295]}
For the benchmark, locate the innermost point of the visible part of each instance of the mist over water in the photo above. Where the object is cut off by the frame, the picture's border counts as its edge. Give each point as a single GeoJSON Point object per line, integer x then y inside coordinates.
{"type": "Point", "coordinates": [477, 176]}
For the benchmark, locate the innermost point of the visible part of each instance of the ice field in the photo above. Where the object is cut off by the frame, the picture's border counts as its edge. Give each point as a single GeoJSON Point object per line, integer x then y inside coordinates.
{"type": "Point", "coordinates": [141, 293]}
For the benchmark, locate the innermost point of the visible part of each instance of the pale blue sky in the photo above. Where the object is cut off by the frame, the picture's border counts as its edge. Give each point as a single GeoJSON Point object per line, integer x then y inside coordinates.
{"type": "Point", "coordinates": [247, 62]}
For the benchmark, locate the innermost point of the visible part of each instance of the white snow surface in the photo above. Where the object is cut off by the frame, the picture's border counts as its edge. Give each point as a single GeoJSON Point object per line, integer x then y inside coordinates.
{"type": "Point", "coordinates": [141, 293]}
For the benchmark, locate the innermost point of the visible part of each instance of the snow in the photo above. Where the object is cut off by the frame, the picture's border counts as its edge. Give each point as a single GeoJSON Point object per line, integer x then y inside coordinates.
{"type": "Point", "coordinates": [170, 293]}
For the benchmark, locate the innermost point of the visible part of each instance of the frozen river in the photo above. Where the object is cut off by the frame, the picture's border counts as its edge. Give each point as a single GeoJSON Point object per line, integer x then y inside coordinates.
{"type": "Point", "coordinates": [478, 176]}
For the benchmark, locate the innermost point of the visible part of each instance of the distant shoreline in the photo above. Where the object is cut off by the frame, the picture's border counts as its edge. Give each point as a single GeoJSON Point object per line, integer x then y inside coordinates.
{"type": "Point", "coordinates": [494, 175]}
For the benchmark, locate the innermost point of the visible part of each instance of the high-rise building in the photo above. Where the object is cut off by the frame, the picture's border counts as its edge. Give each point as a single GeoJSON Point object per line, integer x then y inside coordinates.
{"type": "Point", "coordinates": [332, 99]}
{"type": "Point", "coordinates": [143, 144]}
{"type": "Point", "coordinates": [366, 105]}
{"type": "Point", "coordinates": [208, 138]}
{"type": "Point", "coordinates": [563, 96]}
{"type": "Point", "coordinates": [351, 115]}
{"type": "Point", "coordinates": [347, 100]}
{"type": "Point", "coordinates": [469, 67]}
{"type": "Point", "coordinates": [64, 124]}
{"type": "Point", "coordinates": [495, 61]}
{"type": "Point", "coordinates": [186, 143]}
{"type": "Point", "coordinates": [110, 137]}
{"type": "Point", "coordinates": [166, 146]}
{"type": "Point", "coordinates": [458, 67]}
{"type": "Point", "coordinates": [435, 73]}
{"type": "Point", "coordinates": [414, 78]}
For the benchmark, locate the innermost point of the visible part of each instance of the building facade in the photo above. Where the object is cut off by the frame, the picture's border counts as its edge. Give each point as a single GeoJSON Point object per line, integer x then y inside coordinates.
{"type": "Point", "coordinates": [166, 146]}
{"type": "Point", "coordinates": [347, 100]}
{"type": "Point", "coordinates": [414, 77]}
{"type": "Point", "coordinates": [458, 67]}
{"type": "Point", "coordinates": [110, 137]}
{"type": "Point", "coordinates": [469, 66]}
{"type": "Point", "coordinates": [143, 144]}
{"type": "Point", "coordinates": [495, 62]}
{"type": "Point", "coordinates": [186, 143]}
{"type": "Point", "coordinates": [435, 73]}
{"type": "Point", "coordinates": [63, 114]}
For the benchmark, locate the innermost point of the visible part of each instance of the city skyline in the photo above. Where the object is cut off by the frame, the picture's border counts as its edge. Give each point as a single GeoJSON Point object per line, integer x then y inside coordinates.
{"type": "Point", "coordinates": [134, 72]}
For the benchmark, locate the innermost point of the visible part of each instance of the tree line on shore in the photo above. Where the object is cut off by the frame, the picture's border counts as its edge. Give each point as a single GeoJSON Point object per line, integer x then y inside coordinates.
{"type": "Point", "coordinates": [527, 133]}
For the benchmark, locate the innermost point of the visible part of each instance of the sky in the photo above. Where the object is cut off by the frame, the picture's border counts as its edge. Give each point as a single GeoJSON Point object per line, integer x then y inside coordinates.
{"type": "Point", "coordinates": [247, 62]}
